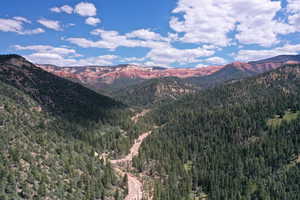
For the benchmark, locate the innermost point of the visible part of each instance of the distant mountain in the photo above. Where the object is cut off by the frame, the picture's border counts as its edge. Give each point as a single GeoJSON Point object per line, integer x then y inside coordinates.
{"type": "Point", "coordinates": [154, 91]}
{"type": "Point", "coordinates": [279, 59]}
{"type": "Point", "coordinates": [109, 79]}
{"type": "Point", "coordinates": [113, 78]}
{"type": "Point", "coordinates": [239, 70]}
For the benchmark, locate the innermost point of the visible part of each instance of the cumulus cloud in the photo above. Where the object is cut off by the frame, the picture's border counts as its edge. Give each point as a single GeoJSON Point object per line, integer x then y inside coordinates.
{"type": "Point", "coordinates": [22, 19]}
{"type": "Point", "coordinates": [47, 49]}
{"type": "Point", "coordinates": [51, 24]}
{"type": "Point", "coordinates": [215, 60]}
{"type": "Point", "coordinates": [293, 6]}
{"type": "Point", "coordinates": [93, 21]}
{"type": "Point", "coordinates": [85, 9]}
{"type": "Point", "coordinates": [212, 21]}
{"type": "Point", "coordinates": [250, 55]}
{"type": "Point", "coordinates": [144, 34]}
{"type": "Point", "coordinates": [161, 51]}
{"type": "Point", "coordinates": [169, 55]}
{"type": "Point", "coordinates": [60, 60]}
{"type": "Point", "coordinates": [66, 8]}
{"type": "Point", "coordinates": [112, 40]}
{"type": "Point", "coordinates": [16, 25]}
{"type": "Point", "coordinates": [62, 56]}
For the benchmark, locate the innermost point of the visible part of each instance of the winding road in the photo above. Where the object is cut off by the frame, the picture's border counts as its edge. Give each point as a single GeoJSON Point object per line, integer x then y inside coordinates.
{"type": "Point", "coordinates": [135, 187]}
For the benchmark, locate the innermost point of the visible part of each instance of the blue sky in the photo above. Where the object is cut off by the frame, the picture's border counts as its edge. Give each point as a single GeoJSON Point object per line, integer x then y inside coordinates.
{"type": "Point", "coordinates": [174, 33]}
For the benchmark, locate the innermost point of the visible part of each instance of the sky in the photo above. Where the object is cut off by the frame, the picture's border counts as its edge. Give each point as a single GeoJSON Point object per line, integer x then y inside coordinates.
{"type": "Point", "coordinates": [170, 33]}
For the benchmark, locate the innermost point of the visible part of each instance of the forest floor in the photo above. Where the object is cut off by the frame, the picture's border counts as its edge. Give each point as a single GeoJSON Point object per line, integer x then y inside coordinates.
{"type": "Point", "coordinates": [124, 165]}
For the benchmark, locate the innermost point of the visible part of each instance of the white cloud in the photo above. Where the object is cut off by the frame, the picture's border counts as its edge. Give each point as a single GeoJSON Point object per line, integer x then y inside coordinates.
{"type": "Point", "coordinates": [169, 55]}
{"type": "Point", "coordinates": [55, 9]}
{"type": "Point", "coordinates": [132, 59]}
{"type": "Point", "coordinates": [250, 55]}
{"type": "Point", "coordinates": [62, 56]}
{"type": "Point", "coordinates": [46, 54]}
{"type": "Point", "coordinates": [211, 22]}
{"type": "Point", "coordinates": [47, 49]}
{"type": "Point", "coordinates": [66, 8]}
{"type": "Point", "coordinates": [293, 6]}
{"type": "Point", "coordinates": [161, 51]}
{"type": "Point", "coordinates": [10, 25]}
{"type": "Point", "coordinates": [144, 34]}
{"type": "Point", "coordinates": [85, 9]}
{"type": "Point", "coordinates": [22, 19]}
{"type": "Point", "coordinates": [16, 25]}
{"type": "Point", "coordinates": [295, 20]}
{"type": "Point", "coordinates": [93, 21]}
{"type": "Point", "coordinates": [60, 60]}
{"type": "Point", "coordinates": [51, 24]}
{"type": "Point", "coordinates": [215, 60]}
{"type": "Point", "coordinates": [112, 40]}
{"type": "Point", "coordinates": [32, 32]}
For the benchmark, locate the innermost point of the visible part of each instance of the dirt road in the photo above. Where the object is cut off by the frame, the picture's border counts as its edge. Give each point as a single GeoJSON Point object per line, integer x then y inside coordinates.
{"type": "Point", "coordinates": [134, 150]}
{"type": "Point", "coordinates": [136, 118]}
{"type": "Point", "coordinates": [135, 187]}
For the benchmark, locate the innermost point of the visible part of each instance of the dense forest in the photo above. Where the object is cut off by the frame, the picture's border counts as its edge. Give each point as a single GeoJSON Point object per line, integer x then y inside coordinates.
{"type": "Point", "coordinates": [236, 141]}
{"type": "Point", "coordinates": [154, 91]}
{"type": "Point", "coordinates": [53, 134]}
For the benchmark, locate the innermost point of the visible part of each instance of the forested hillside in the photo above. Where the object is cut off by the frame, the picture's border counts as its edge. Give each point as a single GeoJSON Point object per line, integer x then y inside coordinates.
{"type": "Point", "coordinates": [154, 91]}
{"type": "Point", "coordinates": [52, 135]}
{"type": "Point", "coordinates": [237, 141]}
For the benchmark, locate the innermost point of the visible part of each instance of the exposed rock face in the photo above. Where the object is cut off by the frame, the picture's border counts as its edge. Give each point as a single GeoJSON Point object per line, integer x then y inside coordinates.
{"type": "Point", "coordinates": [108, 75]}
{"type": "Point", "coordinates": [100, 77]}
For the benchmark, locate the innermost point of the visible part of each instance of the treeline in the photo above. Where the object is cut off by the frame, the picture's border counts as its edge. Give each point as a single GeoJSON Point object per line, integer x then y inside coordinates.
{"type": "Point", "coordinates": [217, 144]}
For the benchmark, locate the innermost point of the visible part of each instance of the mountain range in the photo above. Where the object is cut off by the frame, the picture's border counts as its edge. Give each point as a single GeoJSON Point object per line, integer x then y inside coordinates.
{"type": "Point", "coordinates": [112, 78]}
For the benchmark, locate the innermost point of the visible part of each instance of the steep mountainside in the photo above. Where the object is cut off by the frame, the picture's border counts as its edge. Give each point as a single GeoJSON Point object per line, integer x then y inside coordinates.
{"type": "Point", "coordinates": [57, 95]}
{"type": "Point", "coordinates": [235, 141]}
{"type": "Point", "coordinates": [154, 91]}
{"type": "Point", "coordinates": [52, 132]}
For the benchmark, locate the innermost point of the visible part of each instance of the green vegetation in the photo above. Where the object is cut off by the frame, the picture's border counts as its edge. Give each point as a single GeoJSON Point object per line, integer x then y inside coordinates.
{"type": "Point", "coordinates": [224, 133]}
{"type": "Point", "coordinates": [287, 117]}
{"type": "Point", "coordinates": [236, 141]}
{"type": "Point", "coordinates": [51, 131]}
{"type": "Point", "coordinates": [154, 91]}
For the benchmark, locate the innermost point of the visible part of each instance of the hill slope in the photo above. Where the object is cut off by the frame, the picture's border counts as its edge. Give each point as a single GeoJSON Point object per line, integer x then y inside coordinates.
{"type": "Point", "coordinates": [55, 94]}
{"type": "Point", "coordinates": [222, 143]}
{"type": "Point", "coordinates": [50, 131]}
{"type": "Point", "coordinates": [154, 91]}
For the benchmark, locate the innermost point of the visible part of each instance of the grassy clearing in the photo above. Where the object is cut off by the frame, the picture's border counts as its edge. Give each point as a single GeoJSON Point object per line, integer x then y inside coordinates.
{"type": "Point", "coordinates": [278, 120]}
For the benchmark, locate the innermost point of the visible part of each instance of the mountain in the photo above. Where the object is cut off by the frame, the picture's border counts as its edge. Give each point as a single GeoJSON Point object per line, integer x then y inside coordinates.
{"type": "Point", "coordinates": [239, 70]}
{"type": "Point", "coordinates": [109, 79]}
{"type": "Point", "coordinates": [279, 59]}
{"type": "Point", "coordinates": [113, 78]}
{"type": "Point", "coordinates": [154, 91]}
{"type": "Point", "coordinates": [235, 141]}
{"type": "Point", "coordinates": [51, 133]}
{"type": "Point", "coordinates": [54, 94]}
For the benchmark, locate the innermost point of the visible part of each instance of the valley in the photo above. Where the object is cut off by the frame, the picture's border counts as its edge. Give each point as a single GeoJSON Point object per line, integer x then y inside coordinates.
{"type": "Point", "coordinates": [150, 100]}
{"type": "Point", "coordinates": [161, 139]}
